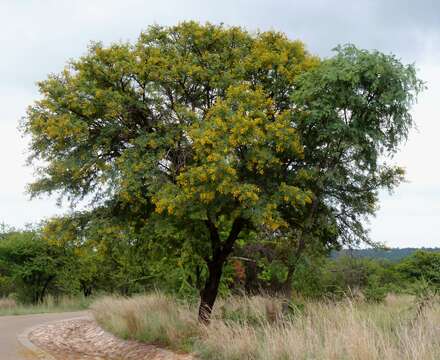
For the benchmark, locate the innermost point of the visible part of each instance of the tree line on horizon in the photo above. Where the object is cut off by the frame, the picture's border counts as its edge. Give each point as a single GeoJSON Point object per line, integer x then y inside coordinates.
{"type": "Point", "coordinates": [34, 265]}
{"type": "Point", "coordinates": [390, 253]}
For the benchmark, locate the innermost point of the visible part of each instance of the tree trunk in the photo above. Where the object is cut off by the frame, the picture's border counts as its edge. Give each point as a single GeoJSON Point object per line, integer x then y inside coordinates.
{"type": "Point", "coordinates": [209, 292]}
{"type": "Point", "coordinates": [198, 277]}
{"type": "Point", "coordinates": [43, 290]}
{"type": "Point", "coordinates": [220, 253]}
{"type": "Point", "coordinates": [287, 286]}
{"type": "Point", "coordinates": [86, 289]}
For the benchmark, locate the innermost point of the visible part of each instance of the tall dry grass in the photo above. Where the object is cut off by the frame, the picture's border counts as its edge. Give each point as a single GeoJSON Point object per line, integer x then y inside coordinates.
{"type": "Point", "coordinates": [153, 318]}
{"type": "Point", "coordinates": [262, 328]}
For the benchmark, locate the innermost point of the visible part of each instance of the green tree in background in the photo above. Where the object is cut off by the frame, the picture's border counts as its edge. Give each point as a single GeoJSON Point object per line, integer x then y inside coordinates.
{"type": "Point", "coordinates": [30, 263]}
{"type": "Point", "coordinates": [104, 255]}
{"type": "Point", "coordinates": [422, 266]}
{"type": "Point", "coordinates": [204, 133]}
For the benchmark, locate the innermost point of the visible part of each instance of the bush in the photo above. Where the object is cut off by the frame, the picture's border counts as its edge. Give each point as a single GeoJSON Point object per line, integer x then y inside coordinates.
{"type": "Point", "coordinates": [374, 293]}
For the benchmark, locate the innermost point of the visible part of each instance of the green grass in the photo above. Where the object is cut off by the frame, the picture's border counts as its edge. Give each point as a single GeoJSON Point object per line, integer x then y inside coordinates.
{"type": "Point", "coordinates": [49, 305]}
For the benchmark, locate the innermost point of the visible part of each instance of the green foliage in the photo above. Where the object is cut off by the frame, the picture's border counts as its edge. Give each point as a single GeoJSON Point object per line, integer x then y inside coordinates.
{"type": "Point", "coordinates": [422, 266]}
{"type": "Point", "coordinates": [355, 105]}
{"type": "Point", "coordinates": [133, 127]}
{"type": "Point", "coordinates": [104, 256]}
{"type": "Point", "coordinates": [351, 113]}
{"type": "Point", "coordinates": [29, 264]}
{"type": "Point", "coordinates": [63, 258]}
{"type": "Point", "coordinates": [200, 137]}
{"type": "Point", "coordinates": [346, 276]}
{"type": "Point", "coordinates": [310, 280]}
{"type": "Point", "coordinates": [374, 292]}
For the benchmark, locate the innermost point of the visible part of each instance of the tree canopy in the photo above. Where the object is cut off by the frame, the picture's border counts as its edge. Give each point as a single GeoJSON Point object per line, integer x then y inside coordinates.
{"type": "Point", "coordinates": [213, 132]}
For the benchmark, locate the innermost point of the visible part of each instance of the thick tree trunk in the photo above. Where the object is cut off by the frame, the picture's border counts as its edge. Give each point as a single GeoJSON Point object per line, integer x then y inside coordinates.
{"type": "Point", "coordinates": [210, 291]}
{"type": "Point", "coordinates": [220, 253]}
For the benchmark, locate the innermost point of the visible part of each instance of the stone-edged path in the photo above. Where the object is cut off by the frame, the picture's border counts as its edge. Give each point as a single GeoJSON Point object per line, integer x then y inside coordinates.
{"type": "Point", "coordinates": [83, 339]}
{"type": "Point", "coordinates": [70, 336]}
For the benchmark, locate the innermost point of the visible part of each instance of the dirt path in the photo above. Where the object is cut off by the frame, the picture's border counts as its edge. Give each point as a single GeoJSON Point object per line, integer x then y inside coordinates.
{"type": "Point", "coordinates": [12, 326]}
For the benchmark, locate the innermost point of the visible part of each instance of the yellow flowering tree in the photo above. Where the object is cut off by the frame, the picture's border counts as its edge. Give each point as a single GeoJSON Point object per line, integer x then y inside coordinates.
{"type": "Point", "coordinates": [212, 131]}
{"type": "Point", "coordinates": [190, 124]}
{"type": "Point", "coordinates": [239, 175]}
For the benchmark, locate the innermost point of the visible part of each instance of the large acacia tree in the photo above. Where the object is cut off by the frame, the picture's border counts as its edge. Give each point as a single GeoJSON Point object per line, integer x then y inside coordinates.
{"type": "Point", "coordinates": [211, 130]}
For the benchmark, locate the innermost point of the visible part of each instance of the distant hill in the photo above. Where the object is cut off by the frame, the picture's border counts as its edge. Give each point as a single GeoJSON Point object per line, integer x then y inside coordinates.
{"type": "Point", "coordinates": [390, 254]}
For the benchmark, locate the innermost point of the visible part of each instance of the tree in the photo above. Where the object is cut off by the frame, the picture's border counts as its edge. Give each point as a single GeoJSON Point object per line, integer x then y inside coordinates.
{"type": "Point", "coordinates": [352, 114]}
{"type": "Point", "coordinates": [198, 128]}
{"type": "Point", "coordinates": [83, 267]}
{"type": "Point", "coordinates": [105, 254]}
{"type": "Point", "coordinates": [30, 262]}
{"type": "Point", "coordinates": [422, 266]}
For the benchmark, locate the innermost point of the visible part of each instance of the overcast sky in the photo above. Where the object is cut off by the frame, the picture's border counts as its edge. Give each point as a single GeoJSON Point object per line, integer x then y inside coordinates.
{"type": "Point", "coordinates": [37, 37]}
